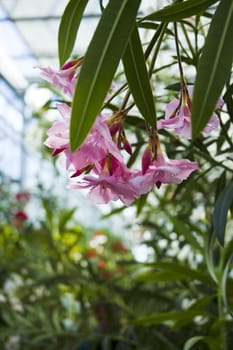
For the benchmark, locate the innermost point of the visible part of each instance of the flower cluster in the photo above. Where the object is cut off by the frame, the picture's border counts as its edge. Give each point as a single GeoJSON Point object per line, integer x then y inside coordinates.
{"type": "Point", "coordinates": [18, 212]}
{"type": "Point", "coordinates": [178, 111]}
{"type": "Point", "coordinates": [98, 164]}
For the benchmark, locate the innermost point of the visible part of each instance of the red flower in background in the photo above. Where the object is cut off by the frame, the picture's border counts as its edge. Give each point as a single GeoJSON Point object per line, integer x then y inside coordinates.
{"type": "Point", "coordinates": [119, 247]}
{"type": "Point", "coordinates": [91, 253]}
{"type": "Point", "coordinates": [19, 217]}
{"type": "Point", "coordinates": [101, 265]}
{"type": "Point", "coordinates": [22, 196]}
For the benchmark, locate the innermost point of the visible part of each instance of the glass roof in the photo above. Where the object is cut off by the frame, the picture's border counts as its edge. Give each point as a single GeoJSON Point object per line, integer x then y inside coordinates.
{"type": "Point", "coordinates": [28, 36]}
{"type": "Point", "coordinates": [29, 29]}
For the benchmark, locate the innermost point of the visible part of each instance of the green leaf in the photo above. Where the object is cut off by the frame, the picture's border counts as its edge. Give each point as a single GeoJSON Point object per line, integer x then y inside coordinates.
{"type": "Point", "coordinates": [214, 66]}
{"type": "Point", "coordinates": [192, 341]}
{"type": "Point", "coordinates": [169, 317]}
{"type": "Point", "coordinates": [221, 208]}
{"type": "Point", "coordinates": [138, 78]}
{"type": "Point", "coordinates": [180, 10]}
{"type": "Point", "coordinates": [141, 201]}
{"type": "Point", "coordinates": [211, 342]}
{"type": "Point", "coordinates": [100, 63]}
{"type": "Point", "coordinates": [182, 228]}
{"type": "Point", "coordinates": [68, 28]}
{"type": "Point", "coordinates": [64, 216]}
{"type": "Point", "coordinates": [209, 251]}
{"type": "Point", "coordinates": [168, 272]}
{"type": "Point", "coordinates": [224, 281]}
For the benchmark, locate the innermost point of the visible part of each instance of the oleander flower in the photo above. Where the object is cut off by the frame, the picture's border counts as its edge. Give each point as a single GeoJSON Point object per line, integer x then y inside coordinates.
{"type": "Point", "coordinates": [162, 170]}
{"type": "Point", "coordinates": [178, 115]}
{"type": "Point", "coordinates": [94, 149]}
{"type": "Point", "coordinates": [64, 78]}
{"type": "Point", "coordinates": [112, 181]}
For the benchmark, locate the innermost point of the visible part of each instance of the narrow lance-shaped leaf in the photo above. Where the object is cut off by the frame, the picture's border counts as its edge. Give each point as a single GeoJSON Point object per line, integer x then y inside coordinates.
{"type": "Point", "coordinates": [138, 78]}
{"type": "Point", "coordinates": [180, 10]}
{"type": "Point", "coordinates": [214, 66]}
{"type": "Point", "coordinates": [192, 341]}
{"type": "Point", "coordinates": [209, 252]}
{"type": "Point", "coordinates": [100, 63]}
{"type": "Point", "coordinates": [68, 28]}
{"type": "Point", "coordinates": [173, 271]}
{"type": "Point", "coordinates": [210, 342]}
{"type": "Point", "coordinates": [185, 316]}
{"type": "Point", "coordinates": [221, 208]}
{"type": "Point", "coordinates": [224, 282]}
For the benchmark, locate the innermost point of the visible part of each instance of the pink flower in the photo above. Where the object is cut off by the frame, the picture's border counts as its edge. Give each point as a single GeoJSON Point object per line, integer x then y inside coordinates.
{"type": "Point", "coordinates": [110, 182]}
{"type": "Point", "coordinates": [58, 134]}
{"type": "Point", "coordinates": [163, 170]}
{"type": "Point", "coordinates": [178, 115]}
{"type": "Point", "coordinates": [65, 78]}
{"type": "Point", "coordinates": [94, 149]}
{"type": "Point", "coordinates": [105, 188]}
{"type": "Point", "coordinates": [168, 171]}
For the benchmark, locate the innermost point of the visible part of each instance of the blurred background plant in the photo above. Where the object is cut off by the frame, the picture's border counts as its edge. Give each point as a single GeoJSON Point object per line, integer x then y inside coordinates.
{"type": "Point", "coordinates": [67, 286]}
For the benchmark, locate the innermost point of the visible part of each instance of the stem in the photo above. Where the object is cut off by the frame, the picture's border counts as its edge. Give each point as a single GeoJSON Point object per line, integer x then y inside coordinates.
{"type": "Point", "coordinates": [197, 20]}
{"type": "Point", "coordinates": [178, 57]}
{"type": "Point", "coordinates": [154, 39]}
{"type": "Point", "coordinates": [221, 308]}
{"type": "Point", "coordinates": [116, 93]}
{"type": "Point", "coordinates": [126, 98]}
{"type": "Point", "coordinates": [160, 38]}
{"type": "Point", "coordinates": [187, 39]}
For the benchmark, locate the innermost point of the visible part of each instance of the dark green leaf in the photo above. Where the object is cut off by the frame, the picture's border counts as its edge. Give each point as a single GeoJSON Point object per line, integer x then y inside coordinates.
{"type": "Point", "coordinates": [138, 78]}
{"type": "Point", "coordinates": [180, 10]}
{"type": "Point", "coordinates": [68, 28]}
{"type": "Point", "coordinates": [214, 66]}
{"type": "Point", "coordinates": [211, 342]}
{"type": "Point", "coordinates": [182, 228]}
{"type": "Point", "coordinates": [141, 201]}
{"type": "Point", "coordinates": [167, 271]}
{"type": "Point", "coordinates": [192, 341]}
{"type": "Point", "coordinates": [100, 63]}
{"type": "Point", "coordinates": [209, 251]}
{"type": "Point", "coordinates": [169, 317]}
{"type": "Point", "coordinates": [64, 217]}
{"type": "Point", "coordinates": [113, 212]}
{"type": "Point", "coordinates": [225, 276]}
{"type": "Point", "coordinates": [221, 208]}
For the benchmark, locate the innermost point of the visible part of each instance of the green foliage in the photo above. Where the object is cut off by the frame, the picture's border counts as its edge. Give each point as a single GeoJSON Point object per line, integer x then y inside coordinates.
{"type": "Point", "coordinates": [214, 67]}
{"type": "Point", "coordinates": [60, 281]}
{"type": "Point", "coordinates": [55, 281]}
{"type": "Point", "coordinates": [100, 63]}
{"type": "Point", "coordinates": [181, 10]}
{"type": "Point", "coordinates": [68, 28]}
{"type": "Point", "coordinates": [138, 79]}
{"type": "Point", "coordinates": [223, 204]}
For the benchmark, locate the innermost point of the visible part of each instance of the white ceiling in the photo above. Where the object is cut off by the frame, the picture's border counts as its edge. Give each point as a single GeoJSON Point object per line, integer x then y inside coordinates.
{"type": "Point", "coordinates": [28, 34]}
